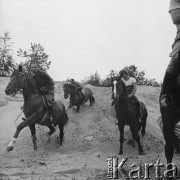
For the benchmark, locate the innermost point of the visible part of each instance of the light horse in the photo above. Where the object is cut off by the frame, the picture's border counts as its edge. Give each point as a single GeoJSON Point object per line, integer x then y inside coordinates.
{"type": "Point", "coordinates": [126, 114]}
{"type": "Point", "coordinates": [35, 109]}
{"type": "Point", "coordinates": [76, 98]}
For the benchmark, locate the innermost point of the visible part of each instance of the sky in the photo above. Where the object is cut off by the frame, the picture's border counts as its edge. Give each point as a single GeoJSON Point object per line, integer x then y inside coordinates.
{"type": "Point", "coordinates": [85, 36]}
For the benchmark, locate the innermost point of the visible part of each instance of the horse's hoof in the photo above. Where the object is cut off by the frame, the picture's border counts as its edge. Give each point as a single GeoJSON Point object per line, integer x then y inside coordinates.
{"type": "Point", "coordinates": [120, 153]}
{"type": "Point", "coordinates": [10, 148]}
{"type": "Point", "coordinates": [141, 152]}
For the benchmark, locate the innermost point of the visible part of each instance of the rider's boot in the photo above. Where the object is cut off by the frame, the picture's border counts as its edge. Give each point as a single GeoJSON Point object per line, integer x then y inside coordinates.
{"type": "Point", "coordinates": [82, 95]}
{"type": "Point", "coordinates": [50, 113]}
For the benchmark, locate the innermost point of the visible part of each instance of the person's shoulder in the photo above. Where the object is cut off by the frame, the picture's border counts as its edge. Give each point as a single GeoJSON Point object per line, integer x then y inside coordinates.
{"type": "Point", "coordinates": [133, 79]}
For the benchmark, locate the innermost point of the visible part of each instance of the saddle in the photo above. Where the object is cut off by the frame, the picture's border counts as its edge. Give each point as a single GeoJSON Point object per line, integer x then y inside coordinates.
{"type": "Point", "coordinates": [135, 108]}
{"type": "Point", "coordinates": [45, 102]}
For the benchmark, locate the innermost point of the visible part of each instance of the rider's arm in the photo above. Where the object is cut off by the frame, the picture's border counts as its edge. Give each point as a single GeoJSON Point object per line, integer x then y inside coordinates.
{"type": "Point", "coordinates": [134, 89]}
{"type": "Point", "coordinates": [134, 84]}
{"type": "Point", "coordinates": [48, 82]}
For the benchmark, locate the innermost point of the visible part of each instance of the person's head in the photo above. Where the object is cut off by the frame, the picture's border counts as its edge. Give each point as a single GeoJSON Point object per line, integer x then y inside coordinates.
{"type": "Point", "coordinates": [72, 80]}
{"type": "Point", "coordinates": [34, 67]}
{"type": "Point", "coordinates": [124, 73]}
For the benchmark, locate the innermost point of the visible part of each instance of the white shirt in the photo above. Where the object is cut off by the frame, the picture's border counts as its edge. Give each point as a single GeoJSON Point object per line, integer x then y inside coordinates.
{"type": "Point", "coordinates": [129, 82]}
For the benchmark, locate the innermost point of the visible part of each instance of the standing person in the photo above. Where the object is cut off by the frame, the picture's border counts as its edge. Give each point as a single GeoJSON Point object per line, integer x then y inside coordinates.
{"type": "Point", "coordinates": [169, 83]}
{"type": "Point", "coordinates": [46, 86]}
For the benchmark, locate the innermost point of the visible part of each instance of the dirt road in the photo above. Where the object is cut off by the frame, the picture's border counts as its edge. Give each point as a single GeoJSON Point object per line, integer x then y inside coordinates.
{"type": "Point", "coordinates": [90, 138]}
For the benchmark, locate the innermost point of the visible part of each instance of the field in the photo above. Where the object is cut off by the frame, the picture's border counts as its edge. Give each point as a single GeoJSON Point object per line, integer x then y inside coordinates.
{"type": "Point", "coordinates": [90, 138]}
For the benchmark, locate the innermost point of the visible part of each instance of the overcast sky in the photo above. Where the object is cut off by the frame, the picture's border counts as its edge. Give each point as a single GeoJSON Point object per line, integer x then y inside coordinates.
{"type": "Point", "coordinates": [85, 36]}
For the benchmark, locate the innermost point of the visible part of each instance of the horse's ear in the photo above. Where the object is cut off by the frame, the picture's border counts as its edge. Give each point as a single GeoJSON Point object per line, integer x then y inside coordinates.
{"type": "Point", "coordinates": [20, 68]}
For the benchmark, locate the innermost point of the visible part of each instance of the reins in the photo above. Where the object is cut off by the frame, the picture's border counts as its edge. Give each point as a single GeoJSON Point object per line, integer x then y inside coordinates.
{"type": "Point", "coordinates": [22, 107]}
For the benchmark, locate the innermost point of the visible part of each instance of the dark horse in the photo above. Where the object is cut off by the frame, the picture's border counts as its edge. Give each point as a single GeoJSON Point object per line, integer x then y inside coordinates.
{"type": "Point", "coordinates": [34, 108]}
{"type": "Point", "coordinates": [76, 98]}
{"type": "Point", "coordinates": [126, 114]}
{"type": "Point", "coordinates": [168, 123]}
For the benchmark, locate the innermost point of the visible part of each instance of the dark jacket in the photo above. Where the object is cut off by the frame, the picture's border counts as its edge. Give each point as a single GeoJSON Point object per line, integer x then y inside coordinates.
{"type": "Point", "coordinates": [44, 82]}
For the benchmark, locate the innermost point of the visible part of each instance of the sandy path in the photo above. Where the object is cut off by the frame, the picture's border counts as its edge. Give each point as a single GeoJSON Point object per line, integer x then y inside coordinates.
{"type": "Point", "coordinates": [90, 138]}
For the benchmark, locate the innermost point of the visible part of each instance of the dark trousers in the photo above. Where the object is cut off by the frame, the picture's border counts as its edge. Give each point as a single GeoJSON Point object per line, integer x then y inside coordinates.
{"type": "Point", "coordinates": [169, 85]}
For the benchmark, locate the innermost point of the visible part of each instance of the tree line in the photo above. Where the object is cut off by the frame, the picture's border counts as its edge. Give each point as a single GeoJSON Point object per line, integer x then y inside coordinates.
{"type": "Point", "coordinates": [36, 53]}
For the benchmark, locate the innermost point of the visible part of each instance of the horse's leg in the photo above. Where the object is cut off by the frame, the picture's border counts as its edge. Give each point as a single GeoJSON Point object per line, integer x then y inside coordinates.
{"type": "Point", "coordinates": [90, 100]}
{"type": "Point", "coordinates": [145, 114]}
{"type": "Point", "coordinates": [61, 133]}
{"type": "Point", "coordinates": [29, 121]}
{"type": "Point", "coordinates": [33, 135]}
{"type": "Point", "coordinates": [52, 130]}
{"type": "Point", "coordinates": [121, 139]}
{"type": "Point", "coordinates": [168, 132]}
{"type": "Point", "coordinates": [136, 136]}
{"type": "Point", "coordinates": [78, 107]}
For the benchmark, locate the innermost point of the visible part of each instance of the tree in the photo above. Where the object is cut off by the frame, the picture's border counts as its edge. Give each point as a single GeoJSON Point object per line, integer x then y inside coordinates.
{"type": "Point", "coordinates": [6, 55]}
{"type": "Point", "coordinates": [35, 54]}
{"type": "Point", "coordinates": [93, 79]}
{"type": "Point", "coordinates": [109, 78]}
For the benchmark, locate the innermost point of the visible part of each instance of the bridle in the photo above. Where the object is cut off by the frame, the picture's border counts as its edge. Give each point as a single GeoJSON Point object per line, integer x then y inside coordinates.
{"type": "Point", "coordinates": [117, 95]}
{"type": "Point", "coordinates": [23, 77]}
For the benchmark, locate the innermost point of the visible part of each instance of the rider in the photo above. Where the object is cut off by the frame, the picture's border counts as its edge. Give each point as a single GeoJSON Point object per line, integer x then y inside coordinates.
{"type": "Point", "coordinates": [46, 86]}
{"type": "Point", "coordinates": [78, 86]}
{"type": "Point", "coordinates": [131, 87]}
{"type": "Point", "coordinates": [167, 96]}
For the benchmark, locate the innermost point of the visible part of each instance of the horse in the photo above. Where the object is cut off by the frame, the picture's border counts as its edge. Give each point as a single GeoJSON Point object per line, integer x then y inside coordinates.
{"type": "Point", "coordinates": [35, 108]}
{"type": "Point", "coordinates": [127, 115]}
{"type": "Point", "coordinates": [76, 99]}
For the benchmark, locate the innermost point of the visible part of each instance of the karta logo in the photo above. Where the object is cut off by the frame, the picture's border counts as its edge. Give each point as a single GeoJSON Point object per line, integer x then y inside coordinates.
{"type": "Point", "coordinates": [139, 172]}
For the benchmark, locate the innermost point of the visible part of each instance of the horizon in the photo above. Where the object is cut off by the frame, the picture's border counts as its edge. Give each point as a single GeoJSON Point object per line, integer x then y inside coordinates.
{"type": "Point", "coordinates": [83, 36]}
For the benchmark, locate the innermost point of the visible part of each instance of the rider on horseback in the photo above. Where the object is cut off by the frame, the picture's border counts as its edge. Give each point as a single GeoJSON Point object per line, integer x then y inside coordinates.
{"type": "Point", "coordinates": [46, 86]}
{"type": "Point", "coordinates": [168, 95]}
{"type": "Point", "coordinates": [78, 86]}
{"type": "Point", "coordinates": [131, 87]}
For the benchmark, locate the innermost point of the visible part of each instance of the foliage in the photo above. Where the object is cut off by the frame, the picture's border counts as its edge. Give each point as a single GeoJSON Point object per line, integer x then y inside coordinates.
{"type": "Point", "coordinates": [34, 54]}
{"type": "Point", "coordinates": [6, 55]}
{"type": "Point", "coordinates": [133, 72]}
{"type": "Point", "coordinates": [109, 78]}
{"type": "Point", "coordinates": [93, 79]}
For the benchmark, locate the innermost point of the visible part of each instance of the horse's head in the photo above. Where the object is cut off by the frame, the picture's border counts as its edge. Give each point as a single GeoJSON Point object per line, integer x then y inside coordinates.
{"type": "Point", "coordinates": [15, 83]}
{"type": "Point", "coordinates": [66, 89]}
{"type": "Point", "coordinates": [69, 88]}
{"type": "Point", "coordinates": [118, 89]}
{"type": "Point", "coordinates": [18, 81]}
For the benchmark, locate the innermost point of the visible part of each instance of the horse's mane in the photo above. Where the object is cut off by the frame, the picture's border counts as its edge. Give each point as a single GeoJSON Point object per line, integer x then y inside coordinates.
{"type": "Point", "coordinates": [124, 92]}
{"type": "Point", "coordinates": [27, 77]}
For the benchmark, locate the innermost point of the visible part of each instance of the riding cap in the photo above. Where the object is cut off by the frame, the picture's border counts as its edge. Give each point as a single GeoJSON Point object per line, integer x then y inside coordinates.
{"type": "Point", "coordinates": [174, 4]}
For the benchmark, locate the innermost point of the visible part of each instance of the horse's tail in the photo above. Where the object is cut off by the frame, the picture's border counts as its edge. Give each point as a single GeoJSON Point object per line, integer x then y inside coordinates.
{"type": "Point", "coordinates": [144, 118]}
{"type": "Point", "coordinates": [64, 115]}
{"type": "Point", "coordinates": [92, 98]}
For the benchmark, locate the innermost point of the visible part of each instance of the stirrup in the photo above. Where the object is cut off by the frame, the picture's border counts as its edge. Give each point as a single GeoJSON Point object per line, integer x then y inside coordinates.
{"type": "Point", "coordinates": [169, 99]}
